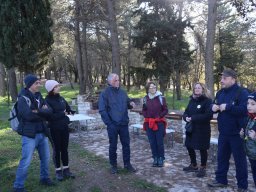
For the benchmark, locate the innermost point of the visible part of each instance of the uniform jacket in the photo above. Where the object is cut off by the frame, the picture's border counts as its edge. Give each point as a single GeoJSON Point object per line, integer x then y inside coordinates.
{"type": "Point", "coordinates": [233, 118]}
{"type": "Point", "coordinates": [58, 119]}
{"type": "Point", "coordinates": [199, 109]}
{"type": "Point", "coordinates": [113, 106]}
{"type": "Point", "coordinates": [31, 122]}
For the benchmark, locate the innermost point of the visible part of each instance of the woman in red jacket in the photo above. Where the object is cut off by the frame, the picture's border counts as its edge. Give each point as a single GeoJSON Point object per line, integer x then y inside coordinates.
{"type": "Point", "coordinates": [154, 110]}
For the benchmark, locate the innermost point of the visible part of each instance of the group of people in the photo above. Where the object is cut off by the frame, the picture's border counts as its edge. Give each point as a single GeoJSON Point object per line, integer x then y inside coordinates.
{"type": "Point", "coordinates": [236, 118]}
{"type": "Point", "coordinates": [236, 124]}
{"type": "Point", "coordinates": [34, 129]}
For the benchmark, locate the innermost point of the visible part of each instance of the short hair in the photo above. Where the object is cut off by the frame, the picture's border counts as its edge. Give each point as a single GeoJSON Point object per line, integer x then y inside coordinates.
{"type": "Point", "coordinates": [110, 77]}
{"type": "Point", "coordinates": [148, 85]}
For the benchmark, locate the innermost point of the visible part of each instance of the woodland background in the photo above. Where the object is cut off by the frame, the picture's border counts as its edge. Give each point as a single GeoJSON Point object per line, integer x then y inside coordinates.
{"type": "Point", "coordinates": [174, 42]}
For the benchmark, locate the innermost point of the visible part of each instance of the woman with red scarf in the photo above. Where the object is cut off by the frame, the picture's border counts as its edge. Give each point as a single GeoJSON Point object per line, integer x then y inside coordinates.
{"type": "Point", "coordinates": [154, 110]}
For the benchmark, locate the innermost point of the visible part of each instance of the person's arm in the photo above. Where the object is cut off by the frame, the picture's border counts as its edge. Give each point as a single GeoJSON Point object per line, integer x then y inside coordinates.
{"type": "Point", "coordinates": [103, 108]}
{"type": "Point", "coordinates": [68, 108]}
{"type": "Point", "coordinates": [185, 114]}
{"type": "Point", "coordinates": [164, 108]}
{"type": "Point", "coordinates": [241, 107]}
{"type": "Point", "coordinates": [25, 112]}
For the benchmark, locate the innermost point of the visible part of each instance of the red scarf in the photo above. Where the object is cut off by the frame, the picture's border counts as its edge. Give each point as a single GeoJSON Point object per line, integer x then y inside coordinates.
{"type": "Point", "coordinates": [152, 123]}
{"type": "Point", "coordinates": [252, 115]}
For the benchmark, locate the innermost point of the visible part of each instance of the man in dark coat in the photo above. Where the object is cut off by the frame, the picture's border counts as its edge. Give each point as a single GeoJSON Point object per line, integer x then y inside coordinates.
{"type": "Point", "coordinates": [113, 107]}
{"type": "Point", "coordinates": [230, 104]}
{"type": "Point", "coordinates": [33, 129]}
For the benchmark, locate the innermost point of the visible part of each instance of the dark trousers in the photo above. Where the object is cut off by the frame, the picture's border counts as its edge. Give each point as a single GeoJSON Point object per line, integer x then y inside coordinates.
{"type": "Point", "coordinates": [156, 140]}
{"type": "Point", "coordinates": [123, 132]}
{"type": "Point", "coordinates": [192, 155]}
{"type": "Point", "coordinates": [60, 140]}
{"type": "Point", "coordinates": [253, 167]}
{"type": "Point", "coordinates": [228, 145]}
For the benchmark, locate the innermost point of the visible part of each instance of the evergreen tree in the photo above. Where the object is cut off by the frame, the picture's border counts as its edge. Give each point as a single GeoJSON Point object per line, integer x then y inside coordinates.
{"type": "Point", "coordinates": [160, 34]}
{"type": "Point", "coordinates": [25, 36]}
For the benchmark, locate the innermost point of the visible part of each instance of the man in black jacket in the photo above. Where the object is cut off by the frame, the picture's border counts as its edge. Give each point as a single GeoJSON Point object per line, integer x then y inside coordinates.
{"type": "Point", "coordinates": [33, 129]}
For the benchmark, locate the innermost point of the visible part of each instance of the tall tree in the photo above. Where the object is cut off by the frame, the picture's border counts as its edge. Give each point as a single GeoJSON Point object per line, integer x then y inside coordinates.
{"type": "Point", "coordinates": [116, 61]}
{"type": "Point", "coordinates": [209, 51]}
{"type": "Point", "coordinates": [26, 42]}
{"type": "Point", "coordinates": [160, 34]}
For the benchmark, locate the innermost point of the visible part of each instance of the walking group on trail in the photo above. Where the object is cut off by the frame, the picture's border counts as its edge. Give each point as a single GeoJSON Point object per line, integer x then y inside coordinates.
{"type": "Point", "coordinates": [236, 108]}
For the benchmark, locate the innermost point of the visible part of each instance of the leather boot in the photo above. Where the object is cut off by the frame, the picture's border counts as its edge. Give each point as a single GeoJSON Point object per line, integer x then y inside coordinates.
{"type": "Point", "coordinates": [155, 162]}
{"type": "Point", "coordinates": [67, 174]}
{"type": "Point", "coordinates": [160, 162]}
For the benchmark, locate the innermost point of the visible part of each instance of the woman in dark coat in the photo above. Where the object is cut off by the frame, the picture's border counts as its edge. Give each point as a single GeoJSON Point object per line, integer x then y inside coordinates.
{"type": "Point", "coordinates": [199, 113]}
{"type": "Point", "coordinates": [58, 124]}
{"type": "Point", "coordinates": [154, 110]}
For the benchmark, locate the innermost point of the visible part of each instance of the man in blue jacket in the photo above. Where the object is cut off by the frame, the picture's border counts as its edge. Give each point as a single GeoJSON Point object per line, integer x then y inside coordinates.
{"type": "Point", "coordinates": [230, 104]}
{"type": "Point", "coordinates": [113, 107]}
{"type": "Point", "coordinates": [33, 129]}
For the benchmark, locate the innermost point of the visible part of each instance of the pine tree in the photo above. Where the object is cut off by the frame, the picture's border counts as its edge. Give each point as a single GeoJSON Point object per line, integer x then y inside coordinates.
{"type": "Point", "coordinates": [25, 35]}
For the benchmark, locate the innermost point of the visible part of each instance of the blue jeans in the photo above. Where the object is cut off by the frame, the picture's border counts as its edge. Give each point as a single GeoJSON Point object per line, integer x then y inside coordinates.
{"type": "Point", "coordinates": [156, 140]}
{"type": "Point", "coordinates": [40, 142]}
{"type": "Point", "coordinates": [123, 132]}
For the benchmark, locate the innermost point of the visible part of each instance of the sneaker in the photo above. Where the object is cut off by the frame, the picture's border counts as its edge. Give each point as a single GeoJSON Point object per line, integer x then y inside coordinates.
{"type": "Point", "coordinates": [160, 162]}
{"type": "Point", "coordinates": [47, 182]}
{"type": "Point", "coordinates": [59, 175]}
{"type": "Point", "coordinates": [19, 190]}
{"type": "Point", "coordinates": [130, 168]}
{"type": "Point", "coordinates": [67, 174]}
{"type": "Point", "coordinates": [155, 162]}
{"type": "Point", "coordinates": [242, 190]}
{"type": "Point", "coordinates": [190, 168]}
{"type": "Point", "coordinates": [201, 172]}
{"type": "Point", "coordinates": [113, 170]}
{"type": "Point", "coordinates": [216, 184]}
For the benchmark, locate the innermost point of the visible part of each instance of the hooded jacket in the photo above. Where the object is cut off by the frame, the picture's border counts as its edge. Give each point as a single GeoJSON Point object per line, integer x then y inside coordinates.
{"type": "Point", "coordinates": [31, 122]}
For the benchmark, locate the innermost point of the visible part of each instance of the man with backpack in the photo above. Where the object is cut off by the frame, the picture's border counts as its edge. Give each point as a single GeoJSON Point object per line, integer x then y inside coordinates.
{"type": "Point", "coordinates": [32, 127]}
{"type": "Point", "coordinates": [230, 104]}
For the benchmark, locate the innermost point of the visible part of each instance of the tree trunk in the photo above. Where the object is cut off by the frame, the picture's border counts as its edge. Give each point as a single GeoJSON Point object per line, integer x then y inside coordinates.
{"type": "Point", "coordinates": [12, 84]}
{"type": "Point", "coordinates": [2, 81]}
{"type": "Point", "coordinates": [129, 62]}
{"type": "Point", "coordinates": [79, 50]}
{"type": "Point", "coordinates": [85, 55]}
{"type": "Point", "coordinates": [178, 84]}
{"type": "Point", "coordinates": [116, 62]}
{"type": "Point", "coordinates": [209, 52]}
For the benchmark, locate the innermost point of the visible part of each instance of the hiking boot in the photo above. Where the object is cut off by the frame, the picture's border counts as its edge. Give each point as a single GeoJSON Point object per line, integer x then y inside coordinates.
{"type": "Point", "coordinates": [191, 168]}
{"type": "Point", "coordinates": [155, 162]}
{"type": "Point", "coordinates": [130, 168]}
{"type": "Point", "coordinates": [59, 175]}
{"type": "Point", "coordinates": [201, 172]}
{"type": "Point", "coordinates": [113, 170]}
{"type": "Point", "coordinates": [160, 162]}
{"type": "Point", "coordinates": [47, 182]}
{"type": "Point", "coordinates": [67, 174]}
{"type": "Point", "coordinates": [241, 190]}
{"type": "Point", "coordinates": [216, 184]}
{"type": "Point", "coordinates": [19, 190]}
